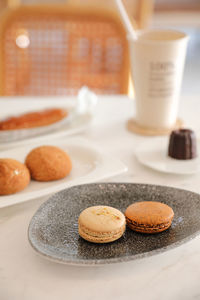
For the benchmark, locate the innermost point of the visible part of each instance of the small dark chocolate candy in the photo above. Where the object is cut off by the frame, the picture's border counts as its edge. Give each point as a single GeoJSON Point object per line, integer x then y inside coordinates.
{"type": "Point", "coordinates": [182, 144]}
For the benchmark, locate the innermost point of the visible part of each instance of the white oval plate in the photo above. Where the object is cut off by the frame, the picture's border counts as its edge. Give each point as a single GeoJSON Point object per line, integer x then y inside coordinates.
{"type": "Point", "coordinates": [78, 124]}
{"type": "Point", "coordinates": [80, 115]}
{"type": "Point", "coordinates": [88, 165]}
{"type": "Point", "coordinates": [7, 136]}
{"type": "Point", "coordinates": [153, 154]}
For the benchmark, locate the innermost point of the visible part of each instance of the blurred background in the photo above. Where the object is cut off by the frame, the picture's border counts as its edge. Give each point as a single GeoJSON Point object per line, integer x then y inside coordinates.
{"type": "Point", "coordinates": [183, 15]}
{"type": "Point", "coordinates": [53, 47]}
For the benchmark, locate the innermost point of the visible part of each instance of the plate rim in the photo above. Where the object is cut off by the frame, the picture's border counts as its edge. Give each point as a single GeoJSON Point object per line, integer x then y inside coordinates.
{"type": "Point", "coordinates": [102, 262]}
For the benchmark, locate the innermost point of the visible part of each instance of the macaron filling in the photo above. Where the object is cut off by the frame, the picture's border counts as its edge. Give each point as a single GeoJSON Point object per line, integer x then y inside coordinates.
{"type": "Point", "coordinates": [100, 237]}
{"type": "Point", "coordinates": [146, 227]}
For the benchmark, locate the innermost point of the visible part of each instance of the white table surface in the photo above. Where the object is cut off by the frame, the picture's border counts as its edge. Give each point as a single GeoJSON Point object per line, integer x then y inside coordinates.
{"type": "Point", "coordinates": [171, 275]}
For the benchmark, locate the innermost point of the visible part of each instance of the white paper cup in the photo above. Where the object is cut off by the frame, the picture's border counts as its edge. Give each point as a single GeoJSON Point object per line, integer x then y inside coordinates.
{"type": "Point", "coordinates": [157, 62]}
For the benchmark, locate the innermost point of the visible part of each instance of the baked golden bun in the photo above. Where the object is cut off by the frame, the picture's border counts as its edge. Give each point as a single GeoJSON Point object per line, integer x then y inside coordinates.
{"type": "Point", "coordinates": [14, 176]}
{"type": "Point", "coordinates": [47, 163]}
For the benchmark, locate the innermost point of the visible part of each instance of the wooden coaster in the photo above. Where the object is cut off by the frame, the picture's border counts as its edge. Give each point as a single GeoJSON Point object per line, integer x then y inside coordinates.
{"type": "Point", "coordinates": [135, 128]}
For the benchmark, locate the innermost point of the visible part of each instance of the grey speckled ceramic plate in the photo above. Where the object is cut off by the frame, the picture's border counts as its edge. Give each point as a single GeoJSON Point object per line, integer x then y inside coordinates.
{"type": "Point", "coordinates": [53, 230]}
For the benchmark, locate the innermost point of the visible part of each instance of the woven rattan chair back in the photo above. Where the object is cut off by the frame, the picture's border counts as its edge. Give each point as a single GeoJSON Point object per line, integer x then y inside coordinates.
{"type": "Point", "coordinates": [56, 50]}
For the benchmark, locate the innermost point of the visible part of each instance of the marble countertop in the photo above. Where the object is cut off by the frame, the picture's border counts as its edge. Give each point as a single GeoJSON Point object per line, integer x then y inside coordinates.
{"type": "Point", "coordinates": [171, 275]}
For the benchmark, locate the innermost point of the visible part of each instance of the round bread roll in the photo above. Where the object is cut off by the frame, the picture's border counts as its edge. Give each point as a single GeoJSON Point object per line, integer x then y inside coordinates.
{"type": "Point", "coordinates": [47, 163]}
{"type": "Point", "coordinates": [14, 176]}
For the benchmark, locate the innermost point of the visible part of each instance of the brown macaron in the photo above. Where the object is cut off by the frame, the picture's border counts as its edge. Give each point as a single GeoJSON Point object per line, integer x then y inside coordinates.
{"type": "Point", "coordinates": [149, 216]}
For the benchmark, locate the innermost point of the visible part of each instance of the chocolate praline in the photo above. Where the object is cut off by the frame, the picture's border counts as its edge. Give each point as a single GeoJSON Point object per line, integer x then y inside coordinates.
{"type": "Point", "coordinates": [182, 144]}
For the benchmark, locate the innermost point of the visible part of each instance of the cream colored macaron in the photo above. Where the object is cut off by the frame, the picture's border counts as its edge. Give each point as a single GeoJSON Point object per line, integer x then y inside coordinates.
{"type": "Point", "coordinates": [101, 224]}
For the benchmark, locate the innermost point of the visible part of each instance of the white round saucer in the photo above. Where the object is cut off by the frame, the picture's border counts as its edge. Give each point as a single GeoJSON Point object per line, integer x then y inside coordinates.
{"type": "Point", "coordinates": [153, 154]}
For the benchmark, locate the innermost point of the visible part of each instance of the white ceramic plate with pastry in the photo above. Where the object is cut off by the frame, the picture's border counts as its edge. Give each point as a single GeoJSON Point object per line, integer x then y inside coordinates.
{"type": "Point", "coordinates": [41, 122]}
{"type": "Point", "coordinates": [78, 124]}
{"type": "Point", "coordinates": [154, 154]}
{"type": "Point", "coordinates": [89, 164]}
{"type": "Point", "coordinates": [23, 120]}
